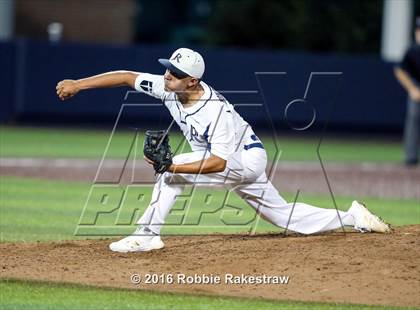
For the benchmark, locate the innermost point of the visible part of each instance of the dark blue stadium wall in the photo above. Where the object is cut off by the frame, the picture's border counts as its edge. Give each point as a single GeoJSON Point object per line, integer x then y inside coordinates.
{"type": "Point", "coordinates": [7, 80]}
{"type": "Point", "coordinates": [349, 92]}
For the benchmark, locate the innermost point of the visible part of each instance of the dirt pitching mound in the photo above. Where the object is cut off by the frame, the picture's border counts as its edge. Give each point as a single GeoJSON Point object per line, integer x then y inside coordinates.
{"type": "Point", "coordinates": [350, 268]}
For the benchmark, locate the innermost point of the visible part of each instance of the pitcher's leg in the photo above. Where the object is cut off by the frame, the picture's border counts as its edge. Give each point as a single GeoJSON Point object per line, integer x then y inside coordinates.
{"type": "Point", "coordinates": [165, 192]}
{"type": "Point", "coordinates": [163, 198]}
{"type": "Point", "coordinates": [147, 235]}
{"type": "Point", "coordinates": [305, 219]}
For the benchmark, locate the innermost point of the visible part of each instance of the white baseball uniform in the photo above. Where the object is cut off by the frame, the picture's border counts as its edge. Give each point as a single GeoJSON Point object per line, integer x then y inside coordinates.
{"type": "Point", "coordinates": [212, 126]}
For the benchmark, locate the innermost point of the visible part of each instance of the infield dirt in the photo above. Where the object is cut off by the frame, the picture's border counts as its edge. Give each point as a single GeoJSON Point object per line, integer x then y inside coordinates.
{"type": "Point", "coordinates": [335, 267]}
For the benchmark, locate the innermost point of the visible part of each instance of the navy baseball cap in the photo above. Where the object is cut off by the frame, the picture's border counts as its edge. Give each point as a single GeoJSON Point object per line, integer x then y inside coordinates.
{"type": "Point", "coordinates": [168, 65]}
{"type": "Point", "coordinates": [418, 22]}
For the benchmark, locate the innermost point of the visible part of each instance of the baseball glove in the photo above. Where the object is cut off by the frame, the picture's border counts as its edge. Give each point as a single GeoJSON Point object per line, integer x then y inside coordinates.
{"type": "Point", "coordinates": [156, 148]}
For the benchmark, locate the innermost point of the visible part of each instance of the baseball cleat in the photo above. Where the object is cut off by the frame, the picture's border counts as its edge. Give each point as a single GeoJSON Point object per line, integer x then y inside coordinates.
{"type": "Point", "coordinates": [137, 243]}
{"type": "Point", "coordinates": [365, 221]}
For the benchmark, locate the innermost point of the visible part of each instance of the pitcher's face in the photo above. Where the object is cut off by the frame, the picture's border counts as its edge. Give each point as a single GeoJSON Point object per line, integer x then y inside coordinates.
{"type": "Point", "coordinates": [176, 83]}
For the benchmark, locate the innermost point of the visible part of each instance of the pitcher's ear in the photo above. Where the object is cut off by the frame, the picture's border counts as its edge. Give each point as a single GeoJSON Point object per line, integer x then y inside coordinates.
{"type": "Point", "coordinates": [193, 81]}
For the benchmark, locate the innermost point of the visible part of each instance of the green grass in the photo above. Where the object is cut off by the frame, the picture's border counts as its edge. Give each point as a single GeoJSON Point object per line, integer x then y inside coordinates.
{"type": "Point", "coordinates": [77, 143]}
{"type": "Point", "coordinates": [67, 143]}
{"type": "Point", "coordinates": [36, 295]}
{"type": "Point", "coordinates": [32, 209]}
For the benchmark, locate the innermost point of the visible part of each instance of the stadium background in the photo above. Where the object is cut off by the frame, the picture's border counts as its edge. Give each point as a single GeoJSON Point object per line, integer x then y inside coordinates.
{"type": "Point", "coordinates": [50, 150]}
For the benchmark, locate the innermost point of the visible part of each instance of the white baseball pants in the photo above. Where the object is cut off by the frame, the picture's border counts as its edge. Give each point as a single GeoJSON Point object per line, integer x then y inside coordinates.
{"type": "Point", "coordinates": [245, 173]}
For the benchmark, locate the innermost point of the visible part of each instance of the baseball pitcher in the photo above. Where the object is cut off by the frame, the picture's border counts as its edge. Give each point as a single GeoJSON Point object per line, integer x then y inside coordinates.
{"type": "Point", "coordinates": [225, 150]}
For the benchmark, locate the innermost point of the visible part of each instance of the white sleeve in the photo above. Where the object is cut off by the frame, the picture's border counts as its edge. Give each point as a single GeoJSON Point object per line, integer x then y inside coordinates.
{"type": "Point", "coordinates": [222, 134]}
{"type": "Point", "coordinates": [151, 84]}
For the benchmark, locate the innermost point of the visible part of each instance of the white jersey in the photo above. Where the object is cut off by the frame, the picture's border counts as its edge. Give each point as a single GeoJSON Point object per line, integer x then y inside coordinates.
{"type": "Point", "coordinates": [211, 124]}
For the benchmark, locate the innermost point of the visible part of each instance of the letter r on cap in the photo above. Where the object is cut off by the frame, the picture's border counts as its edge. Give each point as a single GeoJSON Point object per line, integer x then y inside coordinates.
{"type": "Point", "coordinates": [177, 57]}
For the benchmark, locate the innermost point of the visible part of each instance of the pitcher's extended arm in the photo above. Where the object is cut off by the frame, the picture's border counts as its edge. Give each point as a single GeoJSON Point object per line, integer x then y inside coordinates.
{"type": "Point", "coordinates": [69, 88]}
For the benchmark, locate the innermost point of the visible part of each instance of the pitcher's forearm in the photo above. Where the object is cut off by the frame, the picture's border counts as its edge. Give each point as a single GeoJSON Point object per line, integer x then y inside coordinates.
{"type": "Point", "coordinates": [109, 79]}
{"type": "Point", "coordinates": [213, 164]}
